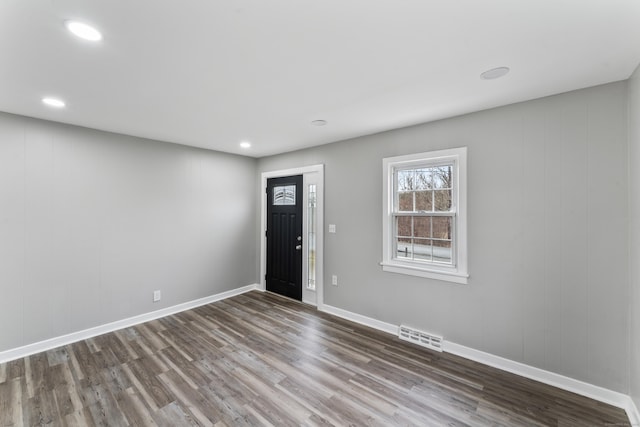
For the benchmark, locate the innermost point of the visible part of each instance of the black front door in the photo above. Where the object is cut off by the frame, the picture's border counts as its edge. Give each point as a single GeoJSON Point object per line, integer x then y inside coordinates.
{"type": "Point", "coordinates": [284, 236]}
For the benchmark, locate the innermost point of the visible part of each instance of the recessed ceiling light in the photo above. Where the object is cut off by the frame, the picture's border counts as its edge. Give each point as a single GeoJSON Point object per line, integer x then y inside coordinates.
{"type": "Point", "coordinates": [245, 144]}
{"type": "Point", "coordinates": [494, 73]}
{"type": "Point", "coordinates": [83, 31]}
{"type": "Point", "coordinates": [319, 122]}
{"type": "Point", "coordinates": [53, 102]}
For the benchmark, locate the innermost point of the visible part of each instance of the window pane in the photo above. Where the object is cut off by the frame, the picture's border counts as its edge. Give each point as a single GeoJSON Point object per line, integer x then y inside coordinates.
{"type": "Point", "coordinates": [422, 226]}
{"type": "Point", "coordinates": [422, 249]}
{"type": "Point", "coordinates": [442, 177]}
{"type": "Point", "coordinates": [404, 226]}
{"type": "Point", "coordinates": [405, 202]}
{"type": "Point", "coordinates": [441, 227]}
{"type": "Point", "coordinates": [423, 201]}
{"type": "Point", "coordinates": [284, 195]}
{"type": "Point", "coordinates": [404, 248]}
{"type": "Point", "coordinates": [405, 180]}
{"type": "Point", "coordinates": [423, 179]}
{"type": "Point", "coordinates": [442, 251]}
{"type": "Point", "coordinates": [442, 200]}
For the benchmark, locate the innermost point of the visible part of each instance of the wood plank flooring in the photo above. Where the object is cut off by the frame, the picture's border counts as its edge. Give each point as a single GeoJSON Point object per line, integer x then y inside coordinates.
{"type": "Point", "coordinates": [260, 359]}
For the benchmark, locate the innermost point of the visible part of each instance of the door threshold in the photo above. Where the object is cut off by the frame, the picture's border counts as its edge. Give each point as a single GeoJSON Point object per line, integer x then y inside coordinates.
{"type": "Point", "coordinates": [290, 299]}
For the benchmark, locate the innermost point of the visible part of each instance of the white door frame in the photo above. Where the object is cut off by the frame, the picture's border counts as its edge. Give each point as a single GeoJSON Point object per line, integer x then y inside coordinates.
{"type": "Point", "coordinates": [311, 175]}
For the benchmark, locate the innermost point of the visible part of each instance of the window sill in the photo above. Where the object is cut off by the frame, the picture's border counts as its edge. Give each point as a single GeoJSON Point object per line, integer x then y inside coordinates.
{"type": "Point", "coordinates": [447, 276]}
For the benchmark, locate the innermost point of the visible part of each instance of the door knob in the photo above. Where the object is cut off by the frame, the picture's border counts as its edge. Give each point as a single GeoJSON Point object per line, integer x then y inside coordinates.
{"type": "Point", "coordinates": [299, 238]}
{"type": "Point", "coordinates": [298, 247]}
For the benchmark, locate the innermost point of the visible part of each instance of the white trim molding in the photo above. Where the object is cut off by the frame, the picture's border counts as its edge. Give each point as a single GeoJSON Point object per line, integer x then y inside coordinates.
{"type": "Point", "coordinates": [313, 174]}
{"type": "Point", "coordinates": [358, 318]}
{"type": "Point", "coordinates": [600, 394]}
{"type": "Point", "coordinates": [582, 388]}
{"type": "Point", "coordinates": [632, 412]}
{"type": "Point", "coordinates": [457, 270]}
{"type": "Point", "coordinates": [425, 272]}
{"type": "Point", "coordinates": [38, 347]}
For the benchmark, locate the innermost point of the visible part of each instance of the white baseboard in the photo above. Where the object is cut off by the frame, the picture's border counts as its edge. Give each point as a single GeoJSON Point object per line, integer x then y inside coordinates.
{"type": "Point", "coordinates": [358, 318]}
{"type": "Point", "coordinates": [601, 394]}
{"type": "Point", "coordinates": [632, 413]}
{"type": "Point", "coordinates": [582, 388]}
{"type": "Point", "coordinates": [27, 350]}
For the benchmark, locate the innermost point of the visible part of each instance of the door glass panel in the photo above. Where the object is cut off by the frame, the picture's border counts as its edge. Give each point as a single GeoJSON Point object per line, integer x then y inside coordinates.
{"type": "Point", "coordinates": [284, 195]}
{"type": "Point", "coordinates": [311, 238]}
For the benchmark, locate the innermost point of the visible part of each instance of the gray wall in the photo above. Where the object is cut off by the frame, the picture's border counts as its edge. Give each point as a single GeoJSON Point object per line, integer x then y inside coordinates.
{"type": "Point", "coordinates": [634, 232]}
{"type": "Point", "coordinates": [92, 222]}
{"type": "Point", "coordinates": [548, 244]}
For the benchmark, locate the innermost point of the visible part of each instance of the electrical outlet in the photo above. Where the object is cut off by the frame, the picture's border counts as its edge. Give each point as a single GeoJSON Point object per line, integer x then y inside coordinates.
{"type": "Point", "coordinates": [334, 280]}
{"type": "Point", "coordinates": [157, 295]}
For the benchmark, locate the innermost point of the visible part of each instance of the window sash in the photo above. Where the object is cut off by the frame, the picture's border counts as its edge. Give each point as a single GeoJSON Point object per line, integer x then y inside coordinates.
{"type": "Point", "coordinates": [397, 213]}
{"type": "Point", "coordinates": [430, 166]}
{"type": "Point", "coordinates": [423, 213]}
{"type": "Point", "coordinates": [396, 236]}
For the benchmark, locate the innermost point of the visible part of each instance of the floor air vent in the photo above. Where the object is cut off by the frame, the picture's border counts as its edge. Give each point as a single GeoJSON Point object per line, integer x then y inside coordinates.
{"type": "Point", "coordinates": [424, 339]}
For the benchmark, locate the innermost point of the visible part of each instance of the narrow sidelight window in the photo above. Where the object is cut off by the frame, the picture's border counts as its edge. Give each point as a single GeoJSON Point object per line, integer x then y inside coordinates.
{"type": "Point", "coordinates": [311, 238]}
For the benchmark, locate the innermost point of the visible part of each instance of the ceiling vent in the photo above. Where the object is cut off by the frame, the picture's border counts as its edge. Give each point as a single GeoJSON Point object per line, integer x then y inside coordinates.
{"type": "Point", "coordinates": [423, 339]}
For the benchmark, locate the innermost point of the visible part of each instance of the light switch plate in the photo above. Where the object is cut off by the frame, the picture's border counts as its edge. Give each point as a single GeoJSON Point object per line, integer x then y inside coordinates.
{"type": "Point", "coordinates": [332, 228]}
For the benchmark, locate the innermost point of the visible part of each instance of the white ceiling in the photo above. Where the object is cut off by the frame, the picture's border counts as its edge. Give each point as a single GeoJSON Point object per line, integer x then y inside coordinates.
{"type": "Point", "coordinates": [211, 73]}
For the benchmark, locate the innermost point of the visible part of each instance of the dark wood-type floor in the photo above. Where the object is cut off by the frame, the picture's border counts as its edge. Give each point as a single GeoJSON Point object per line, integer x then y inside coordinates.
{"type": "Point", "coordinates": [259, 359]}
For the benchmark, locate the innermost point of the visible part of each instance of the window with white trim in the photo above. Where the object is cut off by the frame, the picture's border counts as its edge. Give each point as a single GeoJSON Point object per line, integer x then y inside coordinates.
{"type": "Point", "coordinates": [424, 217]}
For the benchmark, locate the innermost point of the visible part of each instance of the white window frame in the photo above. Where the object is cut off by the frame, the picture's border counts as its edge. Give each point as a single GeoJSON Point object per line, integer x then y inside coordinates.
{"type": "Point", "coordinates": [457, 272]}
